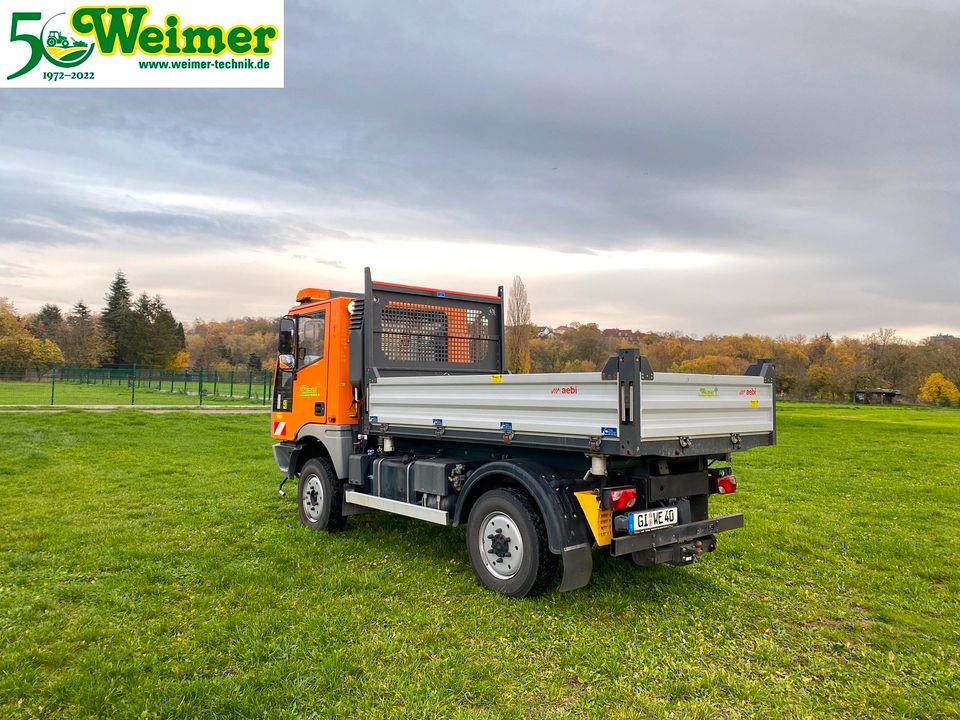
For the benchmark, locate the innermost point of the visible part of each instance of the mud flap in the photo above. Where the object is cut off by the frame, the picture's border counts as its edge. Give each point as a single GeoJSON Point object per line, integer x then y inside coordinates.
{"type": "Point", "coordinates": [577, 566]}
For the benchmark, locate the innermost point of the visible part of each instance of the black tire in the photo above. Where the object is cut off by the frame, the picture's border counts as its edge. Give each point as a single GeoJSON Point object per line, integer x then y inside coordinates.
{"type": "Point", "coordinates": [537, 565]}
{"type": "Point", "coordinates": [320, 496]}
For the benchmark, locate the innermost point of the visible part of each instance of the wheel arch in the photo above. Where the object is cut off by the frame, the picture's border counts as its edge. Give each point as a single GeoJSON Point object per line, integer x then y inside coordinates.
{"type": "Point", "coordinates": [308, 448]}
{"type": "Point", "coordinates": [334, 442]}
{"type": "Point", "coordinates": [562, 516]}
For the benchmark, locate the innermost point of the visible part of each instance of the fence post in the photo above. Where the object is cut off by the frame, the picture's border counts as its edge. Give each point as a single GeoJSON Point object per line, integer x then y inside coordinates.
{"type": "Point", "coordinates": [263, 394]}
{"type": "Point", "coordinates": [133, 389]}
{"type": "Point", "coordinates": [231, 384]}
{"type": "Point", "coordinates": [200, 387]}
{"type": "Point", "coordinates": [53, 383]}
{"type": "Point", "coordinates": [216, 377]}
{"type": "Point", "coordinates": [249, 384]}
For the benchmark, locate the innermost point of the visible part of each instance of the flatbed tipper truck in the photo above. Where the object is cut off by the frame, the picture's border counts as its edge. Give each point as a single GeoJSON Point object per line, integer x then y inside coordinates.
{"type": "Point", "coordinates": [396, 399]}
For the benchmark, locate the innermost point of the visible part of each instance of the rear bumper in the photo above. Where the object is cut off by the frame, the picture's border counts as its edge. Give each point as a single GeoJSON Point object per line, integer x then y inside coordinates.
{"type": "Point", "coordinates": [674, 535]}
{"type": "Point", "coordinates": [285, 455]}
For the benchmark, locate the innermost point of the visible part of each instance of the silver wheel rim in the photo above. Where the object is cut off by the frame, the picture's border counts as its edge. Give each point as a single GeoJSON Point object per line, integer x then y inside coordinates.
{"type": "Point", "coordinates": [312, 500]}
{"type": "Point", "coordinates": [501, 545]}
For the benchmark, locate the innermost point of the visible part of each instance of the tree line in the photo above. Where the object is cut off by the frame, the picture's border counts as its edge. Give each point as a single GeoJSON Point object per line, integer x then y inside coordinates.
{"type": "Point", "coordinates": [142, 331]}
{"type": "Point", "coordinates": [130, 331]}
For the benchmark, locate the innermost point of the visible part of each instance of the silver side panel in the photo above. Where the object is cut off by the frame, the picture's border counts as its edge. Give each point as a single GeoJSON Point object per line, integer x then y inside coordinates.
{"type": "Point", "coordinates": [696, 406]}
{"type": "Point", "coordinates": [672, 405]}
{"type": "Point", "coordinates": [556, 404]}
{"type": "Point", "coordinates": [440, 517]}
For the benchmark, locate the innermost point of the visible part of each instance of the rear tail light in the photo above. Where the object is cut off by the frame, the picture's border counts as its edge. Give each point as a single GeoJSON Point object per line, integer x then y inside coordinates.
{"type": "Point", "coordinates": [620, 498]}
{"type": "Point", "coordinates": [726, 484]}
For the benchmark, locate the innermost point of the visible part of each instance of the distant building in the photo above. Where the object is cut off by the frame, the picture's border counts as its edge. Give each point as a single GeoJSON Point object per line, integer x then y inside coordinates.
{"type": "Point", "coordinates": [940, 337]}
{"type": "Point", "coordinates": [544, 332]}
{"type": "Point", "coordinates": [560, 329]}
{"type": "Point", "coordinates": [621, 334]}
{"type": "Point", "coordinates": [877, 396]}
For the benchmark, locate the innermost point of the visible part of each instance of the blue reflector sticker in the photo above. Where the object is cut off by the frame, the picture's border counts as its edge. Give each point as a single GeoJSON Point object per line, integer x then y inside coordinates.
{"type": "Point", "coordinates": [608, 432]}
{"type": "Point", "coordinates": [373, 418]}
{"type": "Point", "coordinates": [438, 422]}
{"type": "Point", "coordinates": [506, 426]}
{"type": "Point", "coordinates": [441, 294]}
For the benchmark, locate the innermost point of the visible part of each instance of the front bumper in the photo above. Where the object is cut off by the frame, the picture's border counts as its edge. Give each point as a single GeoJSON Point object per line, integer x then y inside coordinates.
{"type": "Point", "coordinates": [285, 455]}
{"type": "Point", "coordinates": [675, 535]}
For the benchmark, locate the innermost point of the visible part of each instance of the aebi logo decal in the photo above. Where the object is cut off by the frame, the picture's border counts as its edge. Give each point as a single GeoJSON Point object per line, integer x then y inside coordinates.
{"type": "Point", "coordinates": [215, 43]}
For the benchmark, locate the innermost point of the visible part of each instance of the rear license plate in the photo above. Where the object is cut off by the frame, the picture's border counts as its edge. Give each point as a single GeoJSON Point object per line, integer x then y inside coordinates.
{"type": "Point", "coordinates": [652, 519]}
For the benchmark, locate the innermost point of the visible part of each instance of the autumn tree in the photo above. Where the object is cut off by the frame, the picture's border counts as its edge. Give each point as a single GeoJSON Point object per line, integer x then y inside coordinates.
{"type": "Point", "coordinates": [518, 329]}
{"type": "Point", "coordinates": [939, 390]}
{"type": "Point", "coordinates": [19, 350]}
{"type": "Point", "coordinates": [711, 365]}
{"type": "Point", "coordinates": [227, 344]}
{"type": "Point", "coordinates": [585, 348]}
{"type": "Point", "coordinates": [890, 360]}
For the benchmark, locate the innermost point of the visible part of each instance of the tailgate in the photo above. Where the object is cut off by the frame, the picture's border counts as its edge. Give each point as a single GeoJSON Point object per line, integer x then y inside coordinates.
{"type": "Point", "coordinates": [679, 404]}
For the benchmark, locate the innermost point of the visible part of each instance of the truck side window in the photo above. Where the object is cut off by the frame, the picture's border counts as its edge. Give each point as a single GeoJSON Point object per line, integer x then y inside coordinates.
{"type": "Point", "coordinates": [310, 331]}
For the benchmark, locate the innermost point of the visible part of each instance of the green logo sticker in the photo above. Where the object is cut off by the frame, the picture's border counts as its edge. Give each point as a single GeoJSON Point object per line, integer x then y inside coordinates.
{"type": "Point", "coordinates": [218, 43]}
{"type": "Point", "coordinates": [709, 392]}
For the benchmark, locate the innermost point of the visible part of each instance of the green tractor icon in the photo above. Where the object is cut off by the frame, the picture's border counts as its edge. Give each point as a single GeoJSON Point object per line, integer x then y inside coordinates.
{"type": "Point", "coordinates": [55, 37]}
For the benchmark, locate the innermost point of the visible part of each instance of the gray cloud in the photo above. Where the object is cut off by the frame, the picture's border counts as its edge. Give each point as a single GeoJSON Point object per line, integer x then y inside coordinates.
{"type": "Point", "coordinates": [819, 138]}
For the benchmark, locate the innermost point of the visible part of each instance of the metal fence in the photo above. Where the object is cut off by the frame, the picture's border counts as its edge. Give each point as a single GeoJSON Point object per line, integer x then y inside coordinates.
{"type": "Point", "coordinates": [136, 386]}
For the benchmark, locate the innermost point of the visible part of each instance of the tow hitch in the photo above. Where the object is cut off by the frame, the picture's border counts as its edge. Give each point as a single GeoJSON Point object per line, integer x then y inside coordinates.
{"type": "Point", "coordinates": [676, 555]}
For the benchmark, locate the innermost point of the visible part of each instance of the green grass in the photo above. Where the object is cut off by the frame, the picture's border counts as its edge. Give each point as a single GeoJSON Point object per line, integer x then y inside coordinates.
{"type": "Point", "coordinates": [149, 568]}
{"type": "Point", "coordinates": [15, 392]}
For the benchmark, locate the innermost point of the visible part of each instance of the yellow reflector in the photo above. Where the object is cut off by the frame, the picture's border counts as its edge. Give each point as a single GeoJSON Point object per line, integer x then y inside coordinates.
{"type": "Point", "coordinates": [601, 521]}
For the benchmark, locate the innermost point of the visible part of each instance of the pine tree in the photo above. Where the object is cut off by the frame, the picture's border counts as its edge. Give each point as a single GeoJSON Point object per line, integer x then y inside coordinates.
{"type": "Point", "coordinates": [141, 332]}
{"type": "Point", "coordinates": [46, 324]}
{"type": "Point", "coordinates": [117, 320]}
{"type": "Point", "coordinates": [82, 338]}
{"type": "Point", "coordinates": [166, 335]}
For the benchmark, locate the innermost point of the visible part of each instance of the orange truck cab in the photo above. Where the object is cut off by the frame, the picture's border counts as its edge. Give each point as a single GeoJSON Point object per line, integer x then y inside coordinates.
{"type": "Point", "coordinates": [313, 400]}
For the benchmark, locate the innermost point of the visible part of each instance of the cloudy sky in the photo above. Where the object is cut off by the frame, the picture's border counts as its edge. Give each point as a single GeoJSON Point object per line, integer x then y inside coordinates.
{"type": "Point", "coordinates": [768, 167]}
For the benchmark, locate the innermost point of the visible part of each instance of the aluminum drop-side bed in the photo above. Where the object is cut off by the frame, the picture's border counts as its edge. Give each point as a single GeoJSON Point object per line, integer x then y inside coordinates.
{"type": "Point", "coordinates": [617, 412]}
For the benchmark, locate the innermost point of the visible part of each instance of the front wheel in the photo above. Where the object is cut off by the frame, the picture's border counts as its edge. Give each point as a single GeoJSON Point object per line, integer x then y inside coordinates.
{"type": "Point", "coordinates": [320, 496]}
{"type": "Point", "coordinates": [507, 542]}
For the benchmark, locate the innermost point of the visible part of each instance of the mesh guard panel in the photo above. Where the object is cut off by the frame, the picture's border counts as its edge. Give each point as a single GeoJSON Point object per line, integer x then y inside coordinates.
{"type": "Point", "coordinates": [442, 335]}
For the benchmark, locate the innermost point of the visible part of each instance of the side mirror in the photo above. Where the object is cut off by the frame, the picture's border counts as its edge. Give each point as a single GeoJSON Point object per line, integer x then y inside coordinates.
{"type": "Point", "coordinates": [286, 361]}
{"type": "Point", "coordinates": [285, 342]}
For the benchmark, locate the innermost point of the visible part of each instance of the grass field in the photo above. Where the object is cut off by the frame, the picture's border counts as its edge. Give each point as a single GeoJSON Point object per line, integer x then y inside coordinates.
{"type": "Point", "coordinates": [148, 568]}
{"type": "Point", "coordinates": [19, 393]}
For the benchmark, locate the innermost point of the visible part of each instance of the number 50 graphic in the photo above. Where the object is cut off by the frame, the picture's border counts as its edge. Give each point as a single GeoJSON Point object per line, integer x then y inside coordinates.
{"type": "Point", "coordinates": [54, 44]}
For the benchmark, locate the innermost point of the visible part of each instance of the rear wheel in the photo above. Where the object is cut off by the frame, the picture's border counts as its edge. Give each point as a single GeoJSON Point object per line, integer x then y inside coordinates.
{"type": "Point", "coordinates": [507, 542]}
{"type": "Point", "coordinates": [320, 496]}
